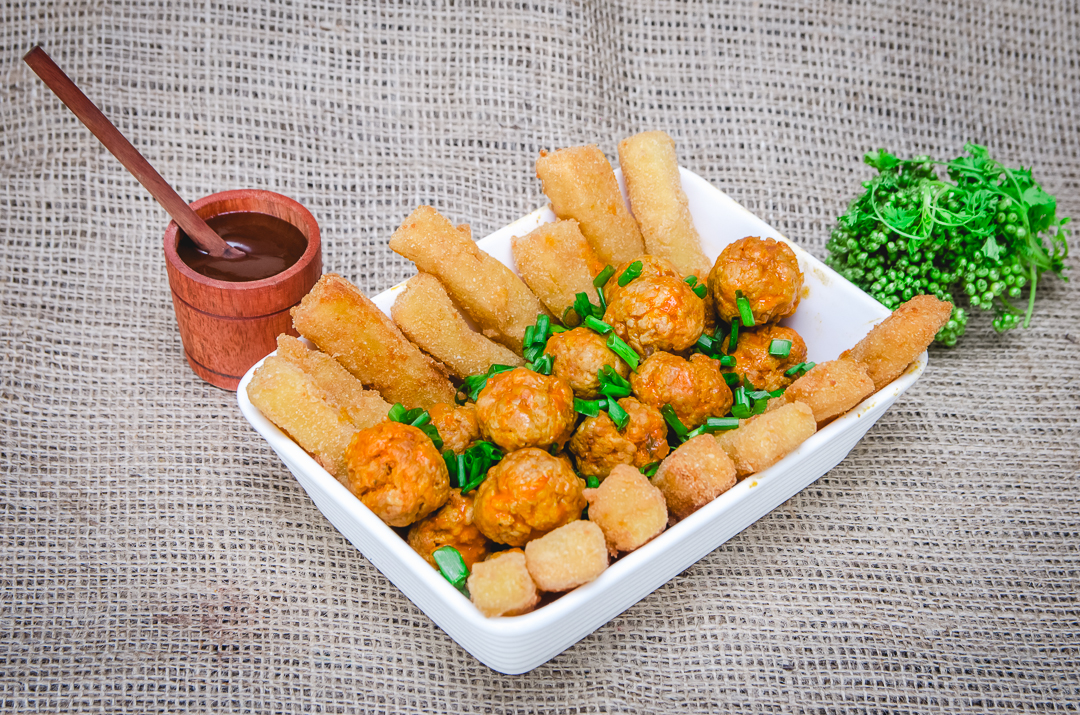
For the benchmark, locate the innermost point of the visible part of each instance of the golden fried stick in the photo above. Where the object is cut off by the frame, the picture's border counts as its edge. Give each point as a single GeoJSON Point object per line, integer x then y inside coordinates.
{"type": "Point", "coordinates": [426, 315]}
{"type": "Point", "coordinates": [557, 263]}
{"type": "Point", "coordinates": [364, 407]}
{"type": "Point", "coordinates": [659, 203]}
{"type": "Point", "coordinates": [831, 388]}
{"type": "Point", "coordinates": [580, 184]}
{"type": "Point", "coordinates": [291, 399]}
{"type": "Point", "coordinates": [341, 320]}
{"type": "Point", "coordinates": [895, 342]}
{"type": "Point", "coordinates": [764, 440]}
{"type": "Point", "coordinates": [490, 293]}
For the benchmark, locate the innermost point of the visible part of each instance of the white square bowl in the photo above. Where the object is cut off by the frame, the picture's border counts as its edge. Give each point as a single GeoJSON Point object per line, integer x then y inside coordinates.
{"type": "Point", "coordinates": [832, 316]}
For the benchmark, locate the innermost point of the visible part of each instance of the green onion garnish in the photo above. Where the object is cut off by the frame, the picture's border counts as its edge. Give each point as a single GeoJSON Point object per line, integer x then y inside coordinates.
{"type": "Point", "coordinates": [451, 467]}
{"type": "Point", "coordinates": [452, 566]}
{"type": "Point", "coordinates": [570, 317]}
{"type": "Point", "coordinates": [417, 417]}
{"type": "Point", "coordinates": [731, 378]}
{"type": "Point", "coordinates": [473, 384]}
{"type": "Point", "coordinates": [530, 333]}
{"type": "Point", "coordinates": [531, 354]}
{"type": "Point", "coordinates": [542, 365]}
{"type": "Point", "coordinates": [690, 281]}
{"type": "Point", "coordinates": [741, 406]}
{"type": "Point", "coordinates": [705, 344]}
{"type": "Point", "coordinates": [603, 300]}
{"type": "Point", "coordinates": [780, 348]}
{"type": "Point", "coordinates": [650, 469]}
{"type": "Point", "coordinates": [734, 335]}
{"type": "Point", "coordinates": [612, 384]}
{"type": "Point", "coordinates": [592, 482]}
{"type": "Point", "coordinates": [632, 271]}
{"type": "Point", "coordinates": [589, 408]}
{"type": "Point", "coordinates": [620, 348]}
{"type": "Point", "coordinates": [674, 422]}
{"type": "Point", "coordinates": [557, 329]}
{"type": "Point", "coordinates": [422, 420]}
{"type": "Point", "coordinates": [598, 325]}
{"type": "Point", "coordinates": [469, 469]}
{"type": "Point", "coordinates": [722, 423]}
{"type": "Point", "coordinates": [700, 290]}
{"type": "Point", "coordinates": [584, 307]}
{"type": "Point", "coordinates": [543, 326]}
{"type": "Point", "coordinates": [602, 278]}
{"type": "Point", "coordinates": [777, 393]}
{"type": "Point", "coordinates": [727, 361]}
{"type": "Point", "coordinates": [396, 413]}
{"type": "Point", "coordinates": [800, 369]}
{"type": "Point", "coordinates": [617, 414]}
{"type": "Point", "coordinates": [745, 313]}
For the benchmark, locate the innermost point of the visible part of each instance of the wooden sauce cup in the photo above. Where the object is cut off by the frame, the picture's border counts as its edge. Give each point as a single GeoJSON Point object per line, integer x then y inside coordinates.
{"type": "Point", "coordinates": [226, 327]}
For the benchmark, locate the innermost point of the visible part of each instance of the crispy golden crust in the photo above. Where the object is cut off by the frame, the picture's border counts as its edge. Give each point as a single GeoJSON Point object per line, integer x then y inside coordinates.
{"type": "Point", "coordinates": [599, 446]}
{"type": "Point", "coordinates": [831, 389]}
{"type": "Point", "coordinates": [364, 407]}
{"type": "Point", "coordinates": [628, 509]}
{"type": "Point", "coordinates": [397, 472]}
{"type": "Point", "coordinates": [578, 355]}
{"type": "Point", "coordinates": [656, 313]}
{"type": "Point", "coordinates": [694, 388]}
{"type": "Point", "coordinates": [765, 270]}
{"type": "Point", "coordinates": [567, 557]}
{"type": "Point", "coordinates": [457, 426]}
{"type": "Point", "coordinates": [502, 586]}
{"type": "Point", "coordinates": [693, 475]}
{"type": "Point", "coordinates": [557, 263]}
{"type": "Point", "coordinates": [581, 185]}
{"type": "Point", "coordinates": [341, 320]}
{"type": "Point", "coordinates": [427, 316]}
{"type": "Point", "coordinates": [754, 363]}
{"type": "Point", "coordinates": [452, 525]}
{"type": "Point", "coordinates": [765, 439]}
{"type": "Point", "coordinates": [659, 203]}
{"type": "Point", "coordinates": [895, 342]}
{"type": "Point", "coordinates": [488, 291]}
{"type": "Point", "coordinates": [292, 400]}
{"type": "Point", "coordinates": [526, 495]}
{"type": "Point", "coordinates": [521, 408]}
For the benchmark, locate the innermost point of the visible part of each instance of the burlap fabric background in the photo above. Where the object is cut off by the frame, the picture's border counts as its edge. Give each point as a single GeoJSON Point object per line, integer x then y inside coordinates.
{"type": "Point", "coordinates": [156, 556]}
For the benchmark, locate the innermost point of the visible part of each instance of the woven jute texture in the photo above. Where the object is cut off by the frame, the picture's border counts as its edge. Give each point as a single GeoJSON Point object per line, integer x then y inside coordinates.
{"type": "Point", "coordinates": [155, 556]}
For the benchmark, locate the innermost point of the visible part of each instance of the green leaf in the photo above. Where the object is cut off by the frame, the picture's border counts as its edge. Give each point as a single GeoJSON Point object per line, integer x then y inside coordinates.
{"type": "Point", "coordinates": [882, 160]}
{"type": "Point", "coordinates": [991, 249]}
{"type": "Point", "coordinates": [899, 218]}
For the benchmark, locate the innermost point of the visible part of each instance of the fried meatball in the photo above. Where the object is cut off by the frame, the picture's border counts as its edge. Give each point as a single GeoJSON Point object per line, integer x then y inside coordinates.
{"type": "Point", "coordinates": [694, 388]}
{"type": "Point", "coordinates": [568, 557]}
{"type": "Point", "coordinates": [765, 270]}
{"type": "Point", "coordinates": [578, 355]}
{"type": "Point", "coordinates": [650, 266]}
{"type": "Point", "coordinates": [521, 408]}
{"type": "Point", "coordinates": [457, 426]}
{"type": "Point", "coordinates": [502, 586]}
{"type": "Point", "coordinates": [657, 313]}
{"type": "Point", "coordinates": [628, 509]}
{"type": "Point", "coordinates": [395, 470]}
{"type": "Point", "coordinates": [693, 475]}
{"type": "Point", "coordinates": [450, 526]}
{"type": "Point", "coordinates": [526, 495]}
{"type": "Point", "coordinates": [755, 365]}
{"type": "Point", "coordinates": [599, 446]}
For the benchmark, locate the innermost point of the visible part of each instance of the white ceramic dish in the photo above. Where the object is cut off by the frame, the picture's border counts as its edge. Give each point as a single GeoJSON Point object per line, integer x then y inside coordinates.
{"type": "Point", "coordinates": [832, 317]}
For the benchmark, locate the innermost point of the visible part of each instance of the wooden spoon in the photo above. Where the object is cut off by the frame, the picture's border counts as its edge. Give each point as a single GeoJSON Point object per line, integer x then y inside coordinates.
{"type": "Point", "coordinates": [62, 86]}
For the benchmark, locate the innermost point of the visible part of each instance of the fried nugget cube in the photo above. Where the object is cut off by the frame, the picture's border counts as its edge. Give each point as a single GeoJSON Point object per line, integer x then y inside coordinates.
{"type": "Point", "coordinates": [628, 509]}
{"type": "Point", "coordinates": [895, 342]}
{"type": "Point", "coordinates": [341, 320]}
{"type": "Point", "coordinates": [364, 407]}
{"type": "Point", "coordinates": [765, 439]}
{"type": "Point", "coordinates": [659, 203]}
{"type": "Point", "coordinates": [292, 400]}
{"type": "Point", "coordinates": [502, 586]}
{"type": "Point", "coordinates": [557, 263]}
{"type": "Point", "coordinates": [427, 316]}
{"type": "Point", "coordinates": [581, 185]}
{"type": "Point", "coordinates": [496, 299]}
{"type": "Point", "coordinates": [567, 557]}
{"type": "Point", "coordinates": [693, 475]}
{"type": "Point", "coordinates": [831, 389]}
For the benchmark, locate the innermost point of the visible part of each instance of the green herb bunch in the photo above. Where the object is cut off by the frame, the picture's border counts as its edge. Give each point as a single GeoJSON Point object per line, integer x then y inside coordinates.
{"type": "Point", "coordinates": [986, 232]}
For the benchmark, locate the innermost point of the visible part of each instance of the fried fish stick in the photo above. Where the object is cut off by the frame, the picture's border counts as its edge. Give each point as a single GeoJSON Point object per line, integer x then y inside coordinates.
{"type": "Point", "coordinates": [426, 315]}
{"type": "Point", "coordinates": [895, 342]}
{"type": "Point", "coordinates": [291, 399]}
{"type": "Point", "coordinates": [581, 185]}
{"type": "Point", "coordinates": [831, 388]}
{"type": "Point", "coordinates": [490, 293]}
{"type": "Point", "coordinates": [764, 440]}
{"type": "Point", "coordinates": [659, 203]}
{"type": "Point", "coordinates": [364, 407]}
{"type": "Point", "coordinates": [557, 263]}
{"type": "Point", "coordinates": [341, 320]}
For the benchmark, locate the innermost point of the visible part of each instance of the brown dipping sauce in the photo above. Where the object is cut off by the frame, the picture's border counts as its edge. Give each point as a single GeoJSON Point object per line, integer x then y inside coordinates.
{"type": "Point", "coordinates": [270, 245]}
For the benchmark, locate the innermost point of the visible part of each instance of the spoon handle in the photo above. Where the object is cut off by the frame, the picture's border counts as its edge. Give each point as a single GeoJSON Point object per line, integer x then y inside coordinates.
{"type": "Point", "coordinates": [128, 155]}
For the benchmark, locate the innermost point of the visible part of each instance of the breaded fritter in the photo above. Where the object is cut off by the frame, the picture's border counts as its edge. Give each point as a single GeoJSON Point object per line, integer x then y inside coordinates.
{"type": "Point", "coordinates": [693, 475]}
{"type": "Point", "coordinates": [765, 439]}
{"type": "Point", "coordinates": [502, 586]}
{"type": "Point", "coordinates": [567, 557]}
{"type": "Point", "coordinates": [831, 388]}
{"type": "Point", "coordinates": [557, 263]}
{"type": "Point", "coordinates": [628, 509]}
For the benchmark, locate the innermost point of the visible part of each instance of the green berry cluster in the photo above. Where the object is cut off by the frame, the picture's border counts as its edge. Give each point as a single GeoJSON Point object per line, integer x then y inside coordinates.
{"type": "Point", "coordinates": [980, 233]}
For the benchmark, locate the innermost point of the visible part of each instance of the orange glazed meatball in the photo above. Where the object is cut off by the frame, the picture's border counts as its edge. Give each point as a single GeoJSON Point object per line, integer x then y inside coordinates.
{"type": "Point", "coordinates": [599, 447]}
{"type": "Point", "coordinates": [656, 313]}
{"type": "Point", "coordinates": [521, 408]}
{"type": "Point", "coordinates": [755, 365]}
{"type": "Point", "coordinates": [650, 266]}
{"type": "Point", "coordinates": [526, 495]}
{"type": "Point", "coordinates": [694, 388]}
{"type": "Point", "coordinates": [397, 472]}
{"type": "Point", "coordinates": [578, 355]}
{"type": "Point", "coordinates": [457, 425]}
{"type": "Point", "coordinates": [766, 271]}
{"type": "Point", "coordinates": [450, 526]}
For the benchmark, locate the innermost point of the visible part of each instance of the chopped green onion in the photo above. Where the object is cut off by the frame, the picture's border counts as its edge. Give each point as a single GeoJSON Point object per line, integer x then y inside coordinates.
{"type": "Point", "coordinates": [705, 344]}
{"type": "Point", "coordinates": [452, 566]}
{"type": "Point", "coordinates": [602, 278]}
{"type": "Point", "coordinates": [530, 333]}
{"type": "Point", "coordinates": [570, 317]}
{"type": "Point", "coordinates": [610, 389]}
{"type": "Point", "coordinates": [584, 307]}
{"type": "Point", "coordinates": [727, 361]}
{"type": "Point", "coordinates": [731, 378]}
{"type": "Point", "coordinates": [396, 413]}
{"type": "Point", "coordinates": [422, 420]}
{"type": "Point", "coordinates": [532, 353]}
{"type": "Point", "coordinates": [777, 393]}
{"type": "Point", "coordinates": [800, 369]}
{"type": "Point", "coordinates": [734, 335]}
{"type": "Point", "coordinates": [617, 414]}
{"type": "Point", "coordinates": [674, 422]}
{"type": "Point", "coordinates": [700, 290]}
{"type": "Point", "coordinates": [650, 469]}
{"type": "Point", "coordinates": [759, 406]}
{"type": "Point", "coordinates": [690, 281]}
{"type": "Point", "coordinates": [722, 423]}
{"type": "Point", "coordinates": [451, 467]}
{"type": "Point", "coordinates": [470, 468]}
{"type": "Point", "coordinates": [542, 365]}
{"type": "Point", "coordinates": [620, 348]}
{"type": "Point", "coordinates": [632, 271]}
{"type": "Point", "coordinates": [603, 300]}
{"type": "Point", "coordinates": [557, 329]}
{"type": "Point", "coordinates": [597, 325]}
{"type": "Point", "coordinates": [695, 433]}
{"type": "Point", "coordinates": [589, 408]}
{"type": "Point", "coordinates": [741, 406]}
{"type": "Point", "coordinates": [543, 326]}
{"type": "Point", "coordinates": [608, 374]}
{"type": "Point", "coordinates": [592, 482]}
{"type": "Point", "coordinates": [780, 348]}
{"type": "Point", "coordinates": [745, 313]}
{"type": "Point", "coordinates": [473, 384]}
